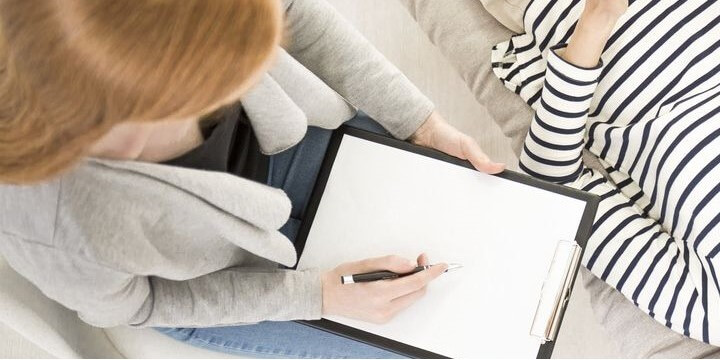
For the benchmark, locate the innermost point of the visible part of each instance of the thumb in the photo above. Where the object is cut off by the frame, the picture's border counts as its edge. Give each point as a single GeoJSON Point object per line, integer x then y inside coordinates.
{"type": "Point", "coordinates": [478, 159]}
{"type": "Point", "coordinates": [423, 259]}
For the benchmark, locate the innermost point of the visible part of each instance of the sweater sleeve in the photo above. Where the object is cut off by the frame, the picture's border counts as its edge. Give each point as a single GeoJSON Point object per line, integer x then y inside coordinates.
{"type": "Point", "coordinates": [230, 296]}
{"type": "Point", "coordinates": [321, 40]}
{"type": "Point", "coordinates": [105, 296]}
{"type": "Point", "coordinates": [553, 147]}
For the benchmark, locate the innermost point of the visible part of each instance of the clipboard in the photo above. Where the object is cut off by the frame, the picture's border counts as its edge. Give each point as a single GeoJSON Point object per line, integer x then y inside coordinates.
{"type": "Point", "coordinates": [558, 283]}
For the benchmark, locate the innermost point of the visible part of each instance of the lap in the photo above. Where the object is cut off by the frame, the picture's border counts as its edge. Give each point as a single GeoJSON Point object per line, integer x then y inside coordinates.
{"type": "Point", "coordinates": [635, 333]}
{"type": "Point", "coordinates": [284, 339]}
{"type": "Point", "coordinates": [295, 170]}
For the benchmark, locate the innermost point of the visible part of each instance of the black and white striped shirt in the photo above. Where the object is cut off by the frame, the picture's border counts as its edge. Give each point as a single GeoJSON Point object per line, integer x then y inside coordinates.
{"type": "Point", "coordinates": [651, 112]}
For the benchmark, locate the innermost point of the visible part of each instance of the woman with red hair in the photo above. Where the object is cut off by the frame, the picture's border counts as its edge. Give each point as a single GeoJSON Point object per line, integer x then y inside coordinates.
{"type": "Point", "coordinates": [157, 161]}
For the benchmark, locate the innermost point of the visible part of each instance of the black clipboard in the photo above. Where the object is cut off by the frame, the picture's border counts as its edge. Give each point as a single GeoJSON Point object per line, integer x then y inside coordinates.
{"type": "Point", "coordinates": [581, 237]}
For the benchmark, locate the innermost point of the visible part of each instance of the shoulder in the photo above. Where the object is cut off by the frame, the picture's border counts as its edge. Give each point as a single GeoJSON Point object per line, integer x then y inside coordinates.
{"type": "Point", "coordinates": [30, 211]}
{"type": "Point", "coordinates": [38, 213]}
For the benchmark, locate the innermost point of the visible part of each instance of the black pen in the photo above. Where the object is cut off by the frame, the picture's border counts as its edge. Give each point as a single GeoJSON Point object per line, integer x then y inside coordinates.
{"type": "Point", "coordinates": [387, 275]}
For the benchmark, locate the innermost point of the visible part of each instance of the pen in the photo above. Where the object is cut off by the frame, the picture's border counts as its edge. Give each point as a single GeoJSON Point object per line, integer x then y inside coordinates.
{"type": "Point", "coordinates": [387, 275]}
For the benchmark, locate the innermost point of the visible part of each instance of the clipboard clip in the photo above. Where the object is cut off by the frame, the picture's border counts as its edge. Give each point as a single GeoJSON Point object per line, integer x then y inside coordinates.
{"type": "Point", "coordinates": [556, 290]}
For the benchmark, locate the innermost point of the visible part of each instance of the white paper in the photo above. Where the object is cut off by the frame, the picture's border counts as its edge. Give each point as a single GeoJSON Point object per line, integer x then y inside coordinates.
{"type": "Point", "coordinates": [380, 200]}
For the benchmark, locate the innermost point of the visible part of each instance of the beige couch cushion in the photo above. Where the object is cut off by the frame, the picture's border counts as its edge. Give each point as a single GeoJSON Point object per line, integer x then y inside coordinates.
{"type": "Point", "coordinates": [507, 12]}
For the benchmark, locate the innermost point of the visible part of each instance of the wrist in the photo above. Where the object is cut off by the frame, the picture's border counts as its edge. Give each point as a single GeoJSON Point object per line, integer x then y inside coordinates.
{"type": "Point", "coordinates": [422, 136]}
{"type": "Point", "coordinates": [588, 40]}
{"type": "Point", "coordinates": [326, 280]}
{"type": "Point", "coordinates": [599, 23]}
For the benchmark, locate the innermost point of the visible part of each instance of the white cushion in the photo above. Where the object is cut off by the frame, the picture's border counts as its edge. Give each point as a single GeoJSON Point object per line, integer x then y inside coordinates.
{"type": "Point", "coordinates": [53, 328]}
{"type": "Point", "coordinates": [15, 346]}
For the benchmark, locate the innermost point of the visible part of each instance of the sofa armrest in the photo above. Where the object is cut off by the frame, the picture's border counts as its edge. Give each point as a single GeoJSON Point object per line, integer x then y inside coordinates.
{"type": "Point", "coordinates": [15, 346]}
{"type": "Point", "coordinates": [45, 323]}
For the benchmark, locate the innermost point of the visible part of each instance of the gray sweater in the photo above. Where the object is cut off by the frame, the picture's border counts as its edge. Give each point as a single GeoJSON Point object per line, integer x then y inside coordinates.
{"type": "Point", "coordinates": [145, 244]}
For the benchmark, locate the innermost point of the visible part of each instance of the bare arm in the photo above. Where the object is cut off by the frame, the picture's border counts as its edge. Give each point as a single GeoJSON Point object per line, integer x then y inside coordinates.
{"type": "Point", "coordinates": [593, 30]}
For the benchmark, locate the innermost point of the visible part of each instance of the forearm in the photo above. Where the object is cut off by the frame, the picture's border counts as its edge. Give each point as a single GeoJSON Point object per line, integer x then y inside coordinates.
{"type": "Point", "coordinates": [327, 45]}
{"type": "Point", "coordinates": [555, 141]}
{"type": "Point", "coordinates": [232, 296]}
{"type": "Point", "coordinates": [591, 34]}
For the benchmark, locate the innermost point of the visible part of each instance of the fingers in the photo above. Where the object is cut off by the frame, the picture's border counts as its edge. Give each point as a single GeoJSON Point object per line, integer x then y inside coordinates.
{"type": "Point", "coordinates": [440, 135]}
{"type": "Point", "coordinates": [405, 301]}
{"type": "Point", "coordinates": [377, 301]}
{"type": "Point", "coordinates": [394, 263]}
{"type": "Point", "coordinates": [423, 260]}
{"type": "Point", "coordinates": [477, 157]}
{"type": "Point", "coordinates": [397, 305]}
{"type": "Point", "coordinates": [408, 284]}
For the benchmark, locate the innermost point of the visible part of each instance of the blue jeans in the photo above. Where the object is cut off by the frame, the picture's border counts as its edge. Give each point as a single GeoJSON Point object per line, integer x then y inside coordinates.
{"type": "Point", "coordinates": [295, 171]}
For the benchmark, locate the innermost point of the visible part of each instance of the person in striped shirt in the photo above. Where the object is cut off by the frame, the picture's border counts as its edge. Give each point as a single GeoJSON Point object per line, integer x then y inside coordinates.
{"type": "Point", "coordinates": [637, 86]}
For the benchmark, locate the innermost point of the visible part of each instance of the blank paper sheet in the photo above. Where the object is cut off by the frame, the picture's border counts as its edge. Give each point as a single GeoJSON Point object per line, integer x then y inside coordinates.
{"type": "Point", "coordinates": [380, 200]}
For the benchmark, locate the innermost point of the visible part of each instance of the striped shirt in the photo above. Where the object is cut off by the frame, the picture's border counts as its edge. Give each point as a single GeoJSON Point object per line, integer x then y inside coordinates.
{"type": "Point", "coordinates": [651, 112]}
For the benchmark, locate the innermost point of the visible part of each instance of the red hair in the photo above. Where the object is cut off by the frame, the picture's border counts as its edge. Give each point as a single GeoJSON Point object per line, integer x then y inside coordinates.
{"type": "Point", "coordinates": [71, 69]}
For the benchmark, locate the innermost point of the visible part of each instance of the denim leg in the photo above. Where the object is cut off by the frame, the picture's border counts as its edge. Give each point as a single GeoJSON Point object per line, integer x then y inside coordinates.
{"type": "Point", "coordinates": [295, 170]}
{"type": "Point", "coordinates": [284, 339]}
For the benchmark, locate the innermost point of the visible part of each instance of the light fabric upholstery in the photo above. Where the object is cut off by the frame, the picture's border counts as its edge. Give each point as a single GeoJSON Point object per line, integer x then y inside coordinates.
{"type": "Point", "coordinates": [53, 328]}
{"type": "Point", "coordinates": [465, 32]}
{"type": "Point", "coordinates": [507, 12]}
{"type": "Point", "coordinates": [15, 346]}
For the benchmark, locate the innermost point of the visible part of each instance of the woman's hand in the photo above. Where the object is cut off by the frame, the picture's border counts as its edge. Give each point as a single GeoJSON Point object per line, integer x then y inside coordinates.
{"type": "Point", "coordinates": [436, 133]}
{"type": "Point", "coordinates": [377, 301]}
{"type": "Point", "coordinates": [596, 23]}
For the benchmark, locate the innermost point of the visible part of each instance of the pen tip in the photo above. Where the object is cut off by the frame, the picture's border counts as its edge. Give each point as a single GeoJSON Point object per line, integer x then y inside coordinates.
{"type": "Point", "coordinates": [453, 266]}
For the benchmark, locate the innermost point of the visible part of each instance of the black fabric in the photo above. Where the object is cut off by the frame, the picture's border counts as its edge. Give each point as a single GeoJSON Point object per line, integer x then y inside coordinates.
{"type": "Point", "coordinates": [230, 146]}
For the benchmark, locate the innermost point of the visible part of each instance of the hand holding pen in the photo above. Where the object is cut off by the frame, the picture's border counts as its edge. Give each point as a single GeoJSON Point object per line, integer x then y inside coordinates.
{"type": "Point", "coordinates": [377, 301]}
{"type": "Point", "coordinates": [388, 275]}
